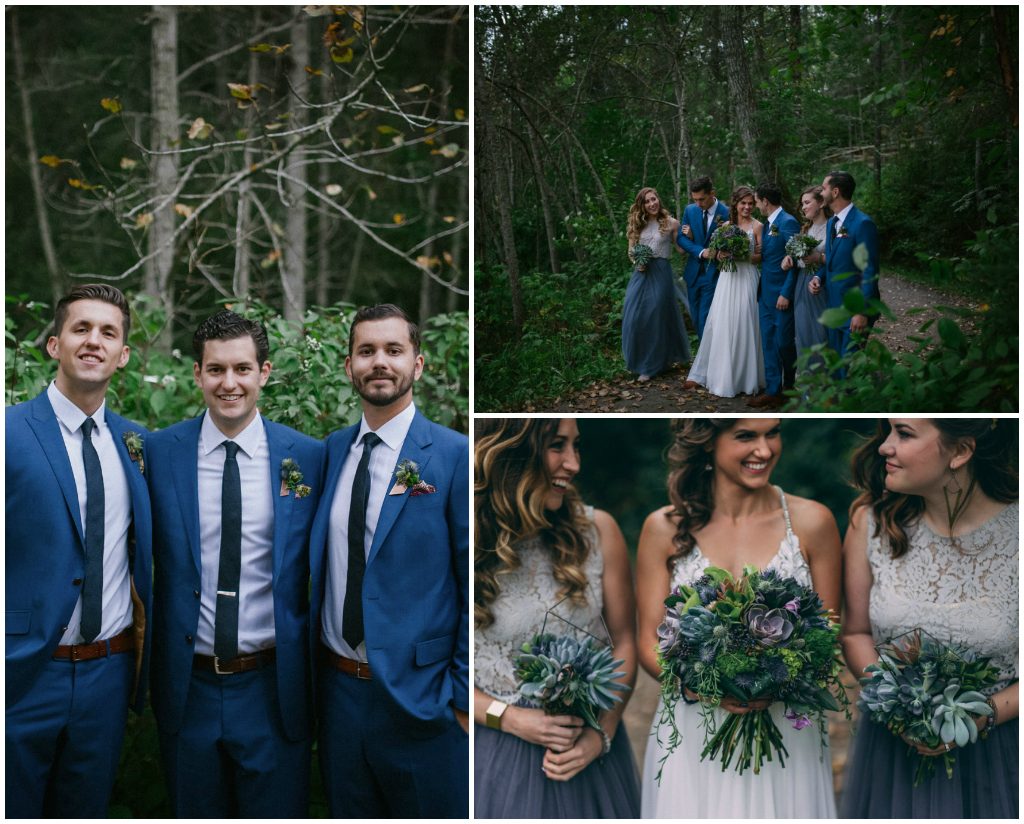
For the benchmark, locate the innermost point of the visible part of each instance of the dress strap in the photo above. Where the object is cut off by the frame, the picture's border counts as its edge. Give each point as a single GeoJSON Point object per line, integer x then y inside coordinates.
{"type": "Point", "coordinates": [785, 513]}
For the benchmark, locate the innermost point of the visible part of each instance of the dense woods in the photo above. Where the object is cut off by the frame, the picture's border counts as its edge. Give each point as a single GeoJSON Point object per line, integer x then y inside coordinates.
{"type": "Point", "coordinates": [578, 107]}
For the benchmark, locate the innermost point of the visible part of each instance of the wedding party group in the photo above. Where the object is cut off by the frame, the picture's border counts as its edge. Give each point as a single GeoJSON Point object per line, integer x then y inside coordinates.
{"type": "Point", "coordinates": [254, 582]}
{"type": "Point", "coordinates": [755, 291]}
{"type": "Point", "coordinates": [747, 607]}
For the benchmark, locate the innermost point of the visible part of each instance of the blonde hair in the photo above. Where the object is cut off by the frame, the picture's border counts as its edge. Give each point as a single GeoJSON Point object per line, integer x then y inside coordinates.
{"type": "Point", "coordinates": [638, 217]}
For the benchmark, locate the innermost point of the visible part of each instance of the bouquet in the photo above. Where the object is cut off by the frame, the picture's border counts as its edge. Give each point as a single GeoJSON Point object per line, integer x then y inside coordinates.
{"type": "Point", "coordinates": [641, 254]}
{"type": "Point", "coordinates": [927, 691]}
{"type": "Point", "coordinates": [561, 675]}
{"type": "Point", "coordinates": [799, 246]}
{"type": "Point", "coordinates": [761, 636]}
{"type": "Point", "coordinates": [732, 240]}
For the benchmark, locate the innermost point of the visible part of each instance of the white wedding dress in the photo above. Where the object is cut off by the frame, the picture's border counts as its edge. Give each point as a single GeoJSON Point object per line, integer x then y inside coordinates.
{"type": "Point", "coordinates": [691, 788]}
{"type": "Point", "coordinates": [729, 360]}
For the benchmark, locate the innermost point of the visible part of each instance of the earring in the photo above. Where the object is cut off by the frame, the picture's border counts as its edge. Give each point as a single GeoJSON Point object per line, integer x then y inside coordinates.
{"type": "Point", "coordinates": [708, 467]}
{"type": "Point", "coordinates": [953, 490]}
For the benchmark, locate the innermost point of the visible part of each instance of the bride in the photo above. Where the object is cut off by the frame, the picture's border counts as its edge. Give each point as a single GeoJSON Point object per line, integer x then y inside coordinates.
{"type": "Point", "coordinates": [729, 361]}
{"type": "Point", "coordinates": [726, 513]}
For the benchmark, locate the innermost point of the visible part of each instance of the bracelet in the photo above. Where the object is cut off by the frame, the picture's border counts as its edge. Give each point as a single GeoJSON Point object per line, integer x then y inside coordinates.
{"type": "Point", "coordinates": [606, 742]}
{"type": "Point", "coordinates": [994, 718]}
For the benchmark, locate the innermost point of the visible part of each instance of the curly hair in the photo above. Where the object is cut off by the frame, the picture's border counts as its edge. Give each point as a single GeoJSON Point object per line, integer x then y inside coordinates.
{"type": "Point", "coordinates": [738, 194]}
{"type": "Point", "coordinates": [638, 217]}
{"type": "Point", "coordinates": [511, 483]}
{"type": "Point", "coordinates": [226, 325]}
{"type": "Point", "coordinates": [690, 482]}
{"type": "Point", "coordinates": [992, 467]}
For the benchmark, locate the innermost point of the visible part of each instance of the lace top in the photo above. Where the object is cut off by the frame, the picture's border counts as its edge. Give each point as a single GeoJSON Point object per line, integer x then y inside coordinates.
{"type": "Point", "coordinates": [962, 590]}
{"type": "Point", "coordinates": [789, 561]}
{"type": "Point", "coordinates": [527, 593]}
{"type": "Point", "coordinates": [819, 233]}
{"type": "Point", "coordinates": [661, 244]}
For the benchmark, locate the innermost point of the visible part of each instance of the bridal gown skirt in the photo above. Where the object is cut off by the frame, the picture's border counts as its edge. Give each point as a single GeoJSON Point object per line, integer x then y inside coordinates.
{"type": "Point", "coordinates": [508, 782]}
{"type": "Point", "coordinates": [729, 361]}
{"type": "Point", "coordinates": [691, 788]}
{"type": "Point", "coordinates": [653, 334]}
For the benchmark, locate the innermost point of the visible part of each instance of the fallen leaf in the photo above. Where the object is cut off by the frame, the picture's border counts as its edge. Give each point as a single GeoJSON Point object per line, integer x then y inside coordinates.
{"type": "Point", "coordinates": [111, 104]}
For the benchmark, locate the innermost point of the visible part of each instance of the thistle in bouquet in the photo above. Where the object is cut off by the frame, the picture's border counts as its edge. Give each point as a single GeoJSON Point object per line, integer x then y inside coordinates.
{"type": "Point", "coordinates": [641, 254]}
{"type": "Point", "coordinates": [800, 246]}
{"type": "Point", "coordinates": [757, 638]}
{"type": "Point", "coordinates": [733, 242]}
{"type": "Point", "coordinates": [927, 692]}
{"type": "Point", "coordinates": [565, 676]}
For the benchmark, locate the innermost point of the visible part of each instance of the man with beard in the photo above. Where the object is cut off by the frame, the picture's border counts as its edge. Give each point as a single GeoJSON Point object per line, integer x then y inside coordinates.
{"type": "Point", "coordinates": [390, 591]}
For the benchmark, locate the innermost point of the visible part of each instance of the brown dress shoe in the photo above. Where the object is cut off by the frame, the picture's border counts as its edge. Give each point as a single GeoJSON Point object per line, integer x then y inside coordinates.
{"type": "Point", "coordinates": [759, 401]}
{"type": "Point", "coordinates": [691, 385]}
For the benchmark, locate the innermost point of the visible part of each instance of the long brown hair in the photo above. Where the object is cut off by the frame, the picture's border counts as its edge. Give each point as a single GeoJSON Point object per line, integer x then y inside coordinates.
{"type": "Point", "coordinates": [819, 195]}
{"type": "Point", "coordinates": [738, 194]}
{"type": "Point", "coordinates": [992, 467]}
{"type": "Point", "coordinates": [511, 483]}
{"type": "Point", "coordinates": [638, 217]}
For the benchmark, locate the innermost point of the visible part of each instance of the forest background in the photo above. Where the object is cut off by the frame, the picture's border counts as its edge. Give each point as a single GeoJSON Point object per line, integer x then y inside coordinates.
{"type": "Point", "coordinates": [579, 107]}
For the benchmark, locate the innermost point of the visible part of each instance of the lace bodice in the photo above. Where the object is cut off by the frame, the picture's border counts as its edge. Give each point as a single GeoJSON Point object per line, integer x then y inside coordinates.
{"type": "Point", "coordinates": [527, 593]}
{"type": "Point", "coordinates": [964, 591]}
{"type": "Point", "coordinates": [660, 243]}
{"type": "Point", "coordinates": [789, 561]}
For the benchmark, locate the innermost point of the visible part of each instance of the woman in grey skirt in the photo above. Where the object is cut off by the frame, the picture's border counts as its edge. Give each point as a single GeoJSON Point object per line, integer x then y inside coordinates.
{"type": "Point", "coordinates": [809, 305]}
{"type": "Point", "coordinates": [544, 560]}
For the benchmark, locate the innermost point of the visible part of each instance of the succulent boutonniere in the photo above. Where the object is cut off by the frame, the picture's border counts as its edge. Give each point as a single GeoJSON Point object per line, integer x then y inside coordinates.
{"type": "Point", "coordinates": [842, 232]}
{"type": "Point", "coordinates": [133, 442]}
{"type": "Point", "coordinates": [291, 480]}
{"type": "Point", "coordinates": [719, 220]}
{"type": "Point", "coordinates": [407, 476]}
{"type": "Point", "coordinates": [774, 231]}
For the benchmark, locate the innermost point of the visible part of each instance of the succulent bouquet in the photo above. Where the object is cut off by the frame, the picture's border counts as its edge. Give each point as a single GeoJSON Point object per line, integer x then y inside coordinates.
{"type": "Point", "coordinates": [732, 240]}
{"type": "Point", "coordinates": [799, 246]}
{"type": "Point", "coordinates": [564, 676]}
{"type": "Point", "coordinates": [641, 254]}
{"type": "Point", "coordinates": [759, 636]}
{"type": "Point", "coordinates": [927, 691]}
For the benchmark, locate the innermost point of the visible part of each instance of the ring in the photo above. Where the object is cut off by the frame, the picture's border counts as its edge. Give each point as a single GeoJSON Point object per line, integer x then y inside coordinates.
{"type": "Point", "coordinates": [744, 704]}
{"type": "Point", "coordinates": [947, 747]}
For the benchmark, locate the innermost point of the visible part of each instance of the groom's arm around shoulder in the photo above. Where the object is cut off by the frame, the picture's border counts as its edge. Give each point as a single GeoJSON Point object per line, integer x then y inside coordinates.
{"type": "Point", "coordinates": [788, 227]}
{"type": "Point", "coordinates": [691, 217]}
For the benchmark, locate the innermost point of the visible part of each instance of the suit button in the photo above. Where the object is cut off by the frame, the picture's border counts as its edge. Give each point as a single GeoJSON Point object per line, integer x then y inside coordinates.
{"type": "Point", "coordinates": [77, 582]}
{"type": "Point", "coordinates": [63, 630]}
{"type": "Point", "coordinates": [195, 592]}
{"type": "Point", "coordinates": [188, 639]}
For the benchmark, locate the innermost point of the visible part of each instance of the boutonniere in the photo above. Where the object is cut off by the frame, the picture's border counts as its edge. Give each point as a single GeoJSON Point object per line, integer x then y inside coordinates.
{"type": "Point", "coordinates": [133, 442]}
{"type": "Point", "coordinates": [719, 220]}
{"type": "Point", "coordinates": [842, 232]}
{"type": "Point", "coordinates": [774, 231]}
{"type": "Point", "coordinates": [291, 480]}
{"type": "Point", "coordinates": [407, 476]}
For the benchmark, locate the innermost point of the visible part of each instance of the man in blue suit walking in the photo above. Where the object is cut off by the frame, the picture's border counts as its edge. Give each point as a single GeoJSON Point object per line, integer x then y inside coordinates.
{"type": "Point", "coordinates": [78, 568]}
{"type": "Point", "coordinates": [233, 501]}
{"type": "Point", "coordinates": [701, 218]}
{"type": "Point", "coordinates": [390, 593]}
{"type": "Point", "coordinates": [847, 229]}
{"type": "Point", "coordinates": [775, 299]}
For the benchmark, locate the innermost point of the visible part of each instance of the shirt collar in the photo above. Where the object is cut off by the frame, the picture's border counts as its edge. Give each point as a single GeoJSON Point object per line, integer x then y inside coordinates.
{"type": "Point", "coordinates": [841, 216]}
{"type": "Point", "coordinates": [394, 431]}
{"type": "Point", "coordinates": [70, 415]}
{"type": "Point", "coordinates": [248, 440]}
{"type": "Point", "coordinates": [773, 215]}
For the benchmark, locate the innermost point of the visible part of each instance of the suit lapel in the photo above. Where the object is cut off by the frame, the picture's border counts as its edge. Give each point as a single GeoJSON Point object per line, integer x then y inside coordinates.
{"type": "Point", "coordinates": [280, 444]}
{"type": "Point", "coordinates": [185, 471]}
{"type": "Point", "coordinates": [136, 482]}
{"type": "Point", "coordinates": [337, 450]}
{"type": "Point", "coordinates": [47, 430]}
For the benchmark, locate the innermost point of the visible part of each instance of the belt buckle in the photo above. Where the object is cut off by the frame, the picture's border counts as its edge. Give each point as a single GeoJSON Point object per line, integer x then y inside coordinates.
{"type": "Point", "coordinates": [360, 668]}
{"type": "Point", "coordinates": [74, 653]}
{"type": "Point", "coordinates": [218, 670]}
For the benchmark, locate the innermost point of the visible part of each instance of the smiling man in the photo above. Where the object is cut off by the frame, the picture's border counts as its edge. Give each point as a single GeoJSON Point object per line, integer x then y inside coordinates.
{"type": "Point", "coordinates": [390, 592]}
{"type": "Point", "coordinates": [78, 566]}
{"type": "Point", "coordinates": [233, 501]}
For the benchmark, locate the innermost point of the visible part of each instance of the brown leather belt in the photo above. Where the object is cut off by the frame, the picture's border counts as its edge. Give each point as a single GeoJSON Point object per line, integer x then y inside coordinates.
{"type": "Point", "coordinates": [349, 666]}
{"type": "Point", "coordinates": [122, 642]}
{"type": "Point", "coordinates": [232, 666]}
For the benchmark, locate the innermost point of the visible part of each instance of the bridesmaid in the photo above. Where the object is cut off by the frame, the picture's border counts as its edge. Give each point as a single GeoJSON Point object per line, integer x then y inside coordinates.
{"type": "Point", "coordinates": [810, 304]}
{"type": "Point", "coordinates": [933, 543]}
{"type": "Point", "coordinates": [653, 334]}
{"type": "Point", "coordinates": [538, 546]}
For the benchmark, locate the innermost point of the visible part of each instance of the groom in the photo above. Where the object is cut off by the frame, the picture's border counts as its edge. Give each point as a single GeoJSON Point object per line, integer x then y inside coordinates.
{"type": "Point", "coordinates": [703, 216]}
{"type": "Point", "coordinates": [775, 298]}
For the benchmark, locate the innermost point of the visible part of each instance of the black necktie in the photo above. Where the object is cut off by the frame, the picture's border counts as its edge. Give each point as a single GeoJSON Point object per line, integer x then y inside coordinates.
{"type": "Point", "coordinates": [352, 615]}
{"type": "Point", "coordinates": [835, 227]}
{"type": "Point", "coordinates": [225, 623]}
{"type": "Point", "coordinates": [706, 221]}
{"type": "Point", "coordinates": [92, 586]}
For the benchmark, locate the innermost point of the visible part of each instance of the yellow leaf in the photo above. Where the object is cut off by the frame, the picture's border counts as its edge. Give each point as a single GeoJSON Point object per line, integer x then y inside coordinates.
{"type": "Point", "coordinates": [200, 129]}
{"type": "Point", "coordinates": [430, 141]}
{"type": "Point", "coordinates": [417, 88]}
{"type": "Point", "coordinates": [448, 258]}
{"type": "Point", "coordinates": [111, 104]}
{"type": "Point", "coordinates": [262, 48]}
{"type": "Point", "coordinates": [342, 55]}
{"type": "Point", "coordinates": [51, 160]}
{"type": "Point", "coordinates": [387, 130]}
{"type": "Point", "coordinates": [460, 114]}
{"type": "Point", "coordinates": [449, 150]}
{"type": "Point", "coordinates": [423, 261]}
{"type": "Point", "coordinates": [430, 129]}
{"type": "Point", "coordinates": [243, 91]}
{"type": "Point", "coordinates": [398, 218]}
{"type": "Point", "coordinates": [314, 72]}
{"type": "Point", "coordinates": [183, 210]}
{"type": "Point", "coordinates": [448, 218]}
{"type": "Point", "coordinates": [365, 113]}
{"type": "Point", "coordinates": [270, 259]}
{"type": "Point", "coordinates": [127, 163]}
{"type": "Point", "coordinates": [143, 220]}
{"type": "Point", "coordinates": [950, 72]}
{"type": "Point", "coordinates": [84, 185]}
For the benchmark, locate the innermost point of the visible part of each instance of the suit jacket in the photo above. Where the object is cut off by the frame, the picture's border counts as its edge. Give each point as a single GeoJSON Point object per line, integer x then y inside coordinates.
{"type": "Point", "coordinates": [839, 258]}
{"type": "Point", "coordinates": [416, 584]}
{"type": "Point", "coordinates": [774, 280]}
{"type": "Point", "coordinates": [46, 544]}
{"type": "Point", "coordinates": [174, 487]}
{"type": "Point", "coordinates": [693, 216]}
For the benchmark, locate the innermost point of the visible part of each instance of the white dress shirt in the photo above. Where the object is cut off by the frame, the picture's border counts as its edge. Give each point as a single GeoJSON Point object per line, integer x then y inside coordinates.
{"type": "Point", "coordinates": [255, 584]}
{"type": "Point", "coordinates": [841, 216]}
{"type": "Point", "coordinates": [383, 460]}
{"type": "Point", "coordinates": [771, 218]}
{"type": "Point", "coordinates": [117, 515]}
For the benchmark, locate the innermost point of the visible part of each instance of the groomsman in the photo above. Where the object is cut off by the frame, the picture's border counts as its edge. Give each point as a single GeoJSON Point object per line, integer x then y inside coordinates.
{"type": "Point", "coordinates": [233, 500]}
{"type": "Point", "coordinates": [390, 592]}
{"type": "Point", "coordinates": [703, 216]}
{"type": "Point", "coordinates": [775, 298]}
{"type": "Point", "coordinates": [847, 229]}
{"type": "Point", "coordinates": [78, 565]}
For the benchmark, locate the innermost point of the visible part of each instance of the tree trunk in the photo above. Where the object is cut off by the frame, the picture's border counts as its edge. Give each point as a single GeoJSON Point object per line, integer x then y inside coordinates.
{"type": "Point", "coordinates": [545, 200]}
{"type": "Point", "coordinates": [741, 89]}
{"type": "Point", "coordinates": [1000, 24]}
{"type": "Point", "coordinates": [293, 273]}
{"type": "Point", "coordinates": [240, 284]}
{"type": "Point", "coordinates": [879, 24]}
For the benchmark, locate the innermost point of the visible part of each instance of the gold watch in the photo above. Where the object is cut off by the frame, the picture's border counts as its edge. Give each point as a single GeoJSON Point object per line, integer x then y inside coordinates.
{"type": "Point", "coordinates": [494, 713]}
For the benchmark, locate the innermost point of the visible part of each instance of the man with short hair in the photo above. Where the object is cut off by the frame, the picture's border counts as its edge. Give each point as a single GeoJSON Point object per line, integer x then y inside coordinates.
{"type": "Point", "coordinates": [234, 496]}
{"type": "Point", "coordinates": [390, 593]}
{"type": "Point", "coordinates": [701, 218]}
{"type": "Point", "coordinates": [78, 568]}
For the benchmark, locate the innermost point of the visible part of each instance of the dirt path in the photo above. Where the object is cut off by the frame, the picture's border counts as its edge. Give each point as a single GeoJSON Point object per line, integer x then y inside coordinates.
{"type": "Point", "coordinates": [665, 393]}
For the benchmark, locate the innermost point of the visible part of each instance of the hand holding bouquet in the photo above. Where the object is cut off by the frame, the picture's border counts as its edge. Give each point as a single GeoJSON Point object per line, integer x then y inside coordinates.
{"type": "Point", "coordinates": [731, 244]}
{"type": "Point", "coordinates": [800, 246]}
{"type": "Point", "coordinates": [641, 254]}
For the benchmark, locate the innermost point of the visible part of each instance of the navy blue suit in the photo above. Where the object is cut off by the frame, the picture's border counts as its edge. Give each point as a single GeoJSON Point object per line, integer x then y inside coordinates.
{"type": "Point", "coordinates": [391, 745]}
{"type": "Point", "coordinates": [778, 329]}
{"type": "Point", "coordinates": [840, 274]}
{"type": "Point", "coordinates": [275, 701]}
{"type": "Point", "coordinates": [700, 275]}
{"type": "Point", "coordinates": [45, 563]}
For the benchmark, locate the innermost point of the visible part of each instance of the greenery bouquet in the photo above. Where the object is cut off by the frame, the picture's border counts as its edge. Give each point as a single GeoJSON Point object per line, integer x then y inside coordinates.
{"type": "Point", "coordinates": [927, 691]}
{"type": "Point", "coordinates": [799, 246]}
{"type": "Point", "coordinates": [641, 254]}
{"type": "Point", "coordinates": [734, 242]}
{"type": "Point", "coordinates": [760, 636]}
